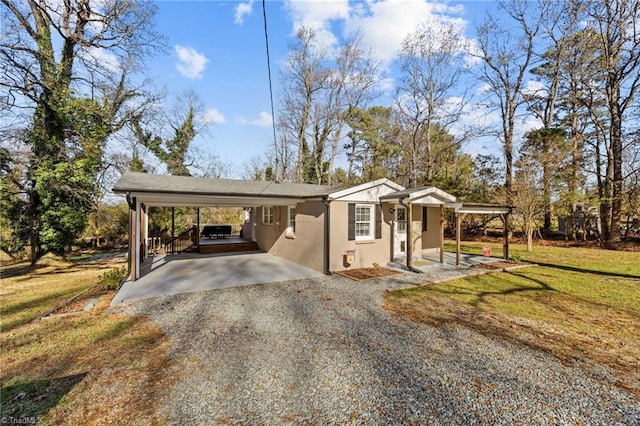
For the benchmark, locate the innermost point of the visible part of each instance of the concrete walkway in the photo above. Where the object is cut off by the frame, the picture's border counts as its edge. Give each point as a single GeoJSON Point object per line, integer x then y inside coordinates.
{"type": "Point", "coordinates": [191, 272]}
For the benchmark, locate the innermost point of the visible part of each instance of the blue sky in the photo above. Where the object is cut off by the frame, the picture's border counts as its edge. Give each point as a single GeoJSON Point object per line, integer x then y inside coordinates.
{"type": "Point", "coordinates": [217, 49]}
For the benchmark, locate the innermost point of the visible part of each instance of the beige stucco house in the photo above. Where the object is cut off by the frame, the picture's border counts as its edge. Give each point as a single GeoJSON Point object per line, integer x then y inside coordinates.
{"type": "Point", "coordinates": [323, 228]}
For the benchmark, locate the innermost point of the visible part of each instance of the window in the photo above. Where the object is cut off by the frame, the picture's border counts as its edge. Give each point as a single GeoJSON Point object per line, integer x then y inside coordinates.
{"type": "Point", "coordinates": [267, 215]}
{"type": "Point", "coordinates": [364, 222]}
{"type": "Point", "coordinates": [291, 222]}
{"type": "Point", "coordinates": [401, 219]}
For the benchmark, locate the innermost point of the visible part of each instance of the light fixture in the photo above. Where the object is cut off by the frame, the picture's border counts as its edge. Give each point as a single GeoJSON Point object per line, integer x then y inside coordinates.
{"type": "Point", "coordinates": [392, 210]}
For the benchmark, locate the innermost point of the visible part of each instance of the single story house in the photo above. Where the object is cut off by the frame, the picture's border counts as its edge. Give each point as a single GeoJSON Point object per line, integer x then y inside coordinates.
{"type": "Point", "coordinates": [324, 228]}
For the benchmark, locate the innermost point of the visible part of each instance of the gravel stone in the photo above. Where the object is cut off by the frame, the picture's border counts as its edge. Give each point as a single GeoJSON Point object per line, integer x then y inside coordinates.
{"type": "Point", "coordinates": [324, 351]}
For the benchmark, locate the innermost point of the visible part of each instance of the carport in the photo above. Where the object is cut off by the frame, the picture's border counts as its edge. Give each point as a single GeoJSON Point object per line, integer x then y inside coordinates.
{"type": "Point", "coordinates": [144, 190]}
{"type": "Point", "coordinates": [189, 272]}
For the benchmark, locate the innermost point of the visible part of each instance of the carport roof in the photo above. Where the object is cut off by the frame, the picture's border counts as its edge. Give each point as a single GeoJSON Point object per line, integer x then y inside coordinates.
{"type": "Point", "coordinates": [186, 190]}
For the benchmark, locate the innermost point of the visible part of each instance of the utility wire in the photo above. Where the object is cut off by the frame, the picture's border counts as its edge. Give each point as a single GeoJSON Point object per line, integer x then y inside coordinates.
{"type": "Point", "coordinates": [273, 115]}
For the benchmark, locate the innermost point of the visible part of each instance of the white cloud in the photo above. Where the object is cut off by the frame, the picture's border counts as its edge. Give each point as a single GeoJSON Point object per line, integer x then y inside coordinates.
{"type": "Point", "coordinates": [212, 116]}
{"type": "Point", "coordinates": [243, 9]}
{"type": "Point", "coordinates": [264, 120]}
{"type": "Point", "coordinates": [103, 58]}
{"type": "Point", "coordinates": [319, 16]}
{"type": "Point", "coordinates": [533, 87]}
{"type": "Point", "coordinates": [191, 63]}
{"type": "Point", "coordinates": [384, 23]}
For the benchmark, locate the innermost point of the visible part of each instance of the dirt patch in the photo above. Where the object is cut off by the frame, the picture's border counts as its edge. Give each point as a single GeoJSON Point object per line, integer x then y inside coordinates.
{"type": "Point", "coordinates": [367, 273]}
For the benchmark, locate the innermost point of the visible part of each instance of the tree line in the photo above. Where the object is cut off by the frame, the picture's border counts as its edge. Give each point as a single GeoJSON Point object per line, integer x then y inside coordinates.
{"type": "Point", "coordinates": [570, 67]}
{"type": "Point", "coordinates": [73, 84]}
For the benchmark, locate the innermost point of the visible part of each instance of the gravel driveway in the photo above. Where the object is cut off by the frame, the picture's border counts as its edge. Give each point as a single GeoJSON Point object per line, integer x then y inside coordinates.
{"type": "Point", "coordinates": [324, 351]}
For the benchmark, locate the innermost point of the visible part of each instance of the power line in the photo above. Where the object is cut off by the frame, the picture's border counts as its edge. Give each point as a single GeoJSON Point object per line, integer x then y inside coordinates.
{"type": "Point", "coordinates": [273, 115]}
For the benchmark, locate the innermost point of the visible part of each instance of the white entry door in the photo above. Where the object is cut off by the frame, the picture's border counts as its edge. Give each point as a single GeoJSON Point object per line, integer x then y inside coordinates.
{"type": "Point", "coordinates": [400, 233]}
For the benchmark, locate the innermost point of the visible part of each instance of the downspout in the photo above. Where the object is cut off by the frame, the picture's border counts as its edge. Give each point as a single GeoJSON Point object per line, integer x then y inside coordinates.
{"type": "Point", "coordinates": [409, 237]}
{"type": "Point", "coordinates": [327, 240]}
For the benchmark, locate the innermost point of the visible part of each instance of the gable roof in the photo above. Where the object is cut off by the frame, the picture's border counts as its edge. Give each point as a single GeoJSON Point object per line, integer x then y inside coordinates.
{"type": "Point", "coordinates": [426, 196]}
{"type": "Point", "coordinates": [369, 191]}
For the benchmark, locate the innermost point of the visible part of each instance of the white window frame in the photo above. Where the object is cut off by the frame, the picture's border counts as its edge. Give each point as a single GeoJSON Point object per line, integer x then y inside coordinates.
{"type": "Point", "coordinates": [371, 222]}
{"type": "Point", "coordinates": [291, 221]}
{"type": "Point", "coordinates": [267, 215]}
{"type": "Point", "coordinates": [402, 223]}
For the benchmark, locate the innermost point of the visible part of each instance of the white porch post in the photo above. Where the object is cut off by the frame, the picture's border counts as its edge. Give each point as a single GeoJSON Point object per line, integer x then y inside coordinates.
{"type": "Point", "coordinates": [145, 227]}
{"type": "Point", "coordinates": [458, 220]}
{"type": "Point", "coordinates": [441, 233]}
{"type": "Point", "coordinates": [132, 246]}
{"type": "Point", "coordinates": [136, 233]}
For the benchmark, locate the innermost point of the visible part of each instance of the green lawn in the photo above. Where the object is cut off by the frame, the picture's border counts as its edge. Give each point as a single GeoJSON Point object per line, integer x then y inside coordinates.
{"type": "Point", "coordinates": [62, 369]}
{"type": "Point", "coordinates": [578, 303]}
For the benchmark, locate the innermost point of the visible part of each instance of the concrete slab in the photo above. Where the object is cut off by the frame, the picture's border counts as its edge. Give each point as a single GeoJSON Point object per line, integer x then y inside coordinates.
{"type": "Point", "coordinates": [431, 261]}
{"type": "Point", "coordinates": [190, 272]}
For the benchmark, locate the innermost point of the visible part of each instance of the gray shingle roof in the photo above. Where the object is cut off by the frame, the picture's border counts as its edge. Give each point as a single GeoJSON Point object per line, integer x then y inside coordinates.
{"type": "Point", "coordinates": [150, 183]}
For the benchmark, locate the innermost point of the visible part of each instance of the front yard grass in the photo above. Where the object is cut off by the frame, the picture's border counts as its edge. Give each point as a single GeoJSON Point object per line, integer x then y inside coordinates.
{"type": "Point", "coordinates": [74, 368]}
{"type": "Point", "coordinates": [577, 303]}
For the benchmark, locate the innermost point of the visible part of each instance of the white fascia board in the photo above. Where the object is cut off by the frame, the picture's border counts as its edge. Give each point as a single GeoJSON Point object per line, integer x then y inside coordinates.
{"type": "Point", "coordinates": [482, 210]}
{"type": "Point", "coordinates": [367, 192]}
{"type": "Point", "coordinates": [435, 195]}
{"type": "Point", "coordinates": [181, 200]}
{"type": "Point", "coordinates": [461, 208]}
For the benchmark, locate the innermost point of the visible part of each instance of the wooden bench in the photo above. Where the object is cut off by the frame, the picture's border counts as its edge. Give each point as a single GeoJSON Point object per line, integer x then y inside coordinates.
{"type": "Point", "coordinates": [218, 231]}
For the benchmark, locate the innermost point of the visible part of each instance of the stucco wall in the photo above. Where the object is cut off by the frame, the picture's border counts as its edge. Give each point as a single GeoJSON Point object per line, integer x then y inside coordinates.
{"type": "Point", "coordinates": [431, 238]}
{"type": "Point", "coordinates": [306, 245]}
{"type": "Point", "coordinates": [416, 231]}
{"type": "Point", "coordinates": [367, 252]}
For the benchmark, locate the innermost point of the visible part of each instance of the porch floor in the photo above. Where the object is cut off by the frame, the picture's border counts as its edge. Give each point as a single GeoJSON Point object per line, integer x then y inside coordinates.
{"type": "Point", "coordinates": [431, 261]}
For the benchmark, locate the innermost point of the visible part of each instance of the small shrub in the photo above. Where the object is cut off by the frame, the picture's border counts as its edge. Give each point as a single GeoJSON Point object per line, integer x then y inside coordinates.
{"type": "Point", "coordinates": [516, 257]}
{"type": "Point", "coordinates": [377, 266]}
{"type": "Point", "coordinates": [112, 279]}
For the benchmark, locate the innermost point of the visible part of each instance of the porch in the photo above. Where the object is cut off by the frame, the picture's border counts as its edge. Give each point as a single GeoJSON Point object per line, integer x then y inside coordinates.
{"type": "Point", "coordinates": [448, 260]}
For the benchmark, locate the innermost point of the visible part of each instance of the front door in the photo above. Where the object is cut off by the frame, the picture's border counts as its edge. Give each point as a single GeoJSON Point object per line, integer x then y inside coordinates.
{"type": "Point", "coordinates": [400, 233]}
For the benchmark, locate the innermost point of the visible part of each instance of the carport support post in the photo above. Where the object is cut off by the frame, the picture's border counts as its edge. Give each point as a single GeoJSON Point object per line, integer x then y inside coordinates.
{"type": "Point", "coordinates": [132, 243]}
{"type": "Point", "coordinates": [408, 208]}
{"type": "Point", "coordinates": [145, 232]}
{"type": "Point", "coordinates": [136, 233]}
{"type": "Point", "coordinates": [458, 220]}
{"type": "Point", "coordinates": [441, 233]}
{"type": "Point", "coordinates": [173, 229]}
{"type": "Point", "coordinates": [198, 224]}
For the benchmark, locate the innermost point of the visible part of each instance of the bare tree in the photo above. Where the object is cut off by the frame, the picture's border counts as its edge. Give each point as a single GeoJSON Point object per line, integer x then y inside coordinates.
{"type": "Point", "coordinates": [431, 65]}
{"type": "Point", "coordinates": [506, 52]}
{"type": "Point", "coordinates": [616, 23]}
{"type": "Point", "coordinates": [526, 197]}
{"type": "Point", "coordinates": [353, 82]}
{"type": "Point", "coordinates": [304, 75]}
{"type": "Point", "coordinates": [320, 91]}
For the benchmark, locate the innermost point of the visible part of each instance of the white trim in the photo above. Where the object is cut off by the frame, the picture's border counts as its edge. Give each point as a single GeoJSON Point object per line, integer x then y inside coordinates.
{"type": "Point", "coordinates": [366, 192]}
{"type": "Point", "coordinates": [471, 209]}
{"type": "Point", "coordinates": [372, 222]}
{"type": "Point", "coordinates": [268, 218]}
{"type": "Point", "coordinates": [192, 200]}
{"type": "Point", "coordinates": [136, 232]}
{"type": "Point", "coordinates": [404, 221]}
{"type": "Point", "coordinates": [291, 230]}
